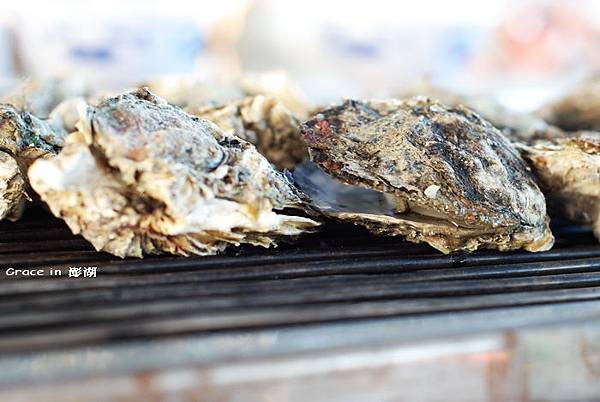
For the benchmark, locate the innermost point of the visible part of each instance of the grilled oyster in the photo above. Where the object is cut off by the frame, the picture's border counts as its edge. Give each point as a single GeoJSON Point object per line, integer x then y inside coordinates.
{"type": "Point", "coordinates": [23, 139]}
{"type": "Point", "coordinates": [448, 177]}
{"type": "Point", "coordinates": [262, 121]}
{"type": "Point", "coordinates": [142, 176]}
{"type": "Point", "coordinates": [568, 170]}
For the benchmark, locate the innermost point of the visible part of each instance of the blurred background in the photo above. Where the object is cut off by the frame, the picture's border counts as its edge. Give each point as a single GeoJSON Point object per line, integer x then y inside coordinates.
{"type": "Point", "coordinates": [522, 52]}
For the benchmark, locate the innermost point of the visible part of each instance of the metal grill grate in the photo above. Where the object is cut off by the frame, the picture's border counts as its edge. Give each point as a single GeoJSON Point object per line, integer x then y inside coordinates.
{"type": "Point", "coordinates": [342, 273]}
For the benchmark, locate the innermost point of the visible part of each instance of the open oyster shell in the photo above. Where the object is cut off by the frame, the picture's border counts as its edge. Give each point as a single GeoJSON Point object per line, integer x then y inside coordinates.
{"type": "Point", "coordinates": [23, 139]}
{"type": "Point", "coordinates": [434, 173]}
{"type": "Point", "coordinates": [263, 121]}
{"type": "Point", "coordinates": [568, 170]}
{"type": "Point", "coordinates": [142, 176]}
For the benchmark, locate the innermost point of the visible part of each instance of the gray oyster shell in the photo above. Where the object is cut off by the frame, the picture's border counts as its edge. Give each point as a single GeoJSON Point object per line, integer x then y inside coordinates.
{"type": "Point", "coordinates": [455, 181]}
{"type": "Point", "coordinates": [142, 176]}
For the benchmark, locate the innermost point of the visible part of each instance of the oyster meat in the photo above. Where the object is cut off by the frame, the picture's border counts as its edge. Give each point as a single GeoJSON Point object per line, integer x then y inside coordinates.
{"type": "Point", "coordinates": [142, 176]}
{"type": "Point", "coordinates": [568, 170]}
{"type": "Point", "coordinates": [263, 121]}
{"type": "Point", "coordinates": [428, 172]}
{"type": "Point", "coordinates": [23, 139]}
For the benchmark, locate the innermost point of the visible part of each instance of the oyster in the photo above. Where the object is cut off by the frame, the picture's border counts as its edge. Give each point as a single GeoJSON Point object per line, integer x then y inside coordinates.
{"type": "Point", "coordinates": [142, 176]}
{"type": "Point", "coordinates": [263, 121]}
{"type": "Point", "coordinates": [23, 139]}
{"type": "Point", "coordinates": [568, 170]}
{"type": "Point", "coordinates": [442, 175]}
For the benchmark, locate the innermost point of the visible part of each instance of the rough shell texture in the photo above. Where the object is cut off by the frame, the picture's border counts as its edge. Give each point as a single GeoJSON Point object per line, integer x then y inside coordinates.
{"type": "Point", "coordinates": [13, 188]}
{"type": "Point", "coordinates": [568, 171]}
{"type": "Point", "coordinates": [23, 139]}
{"type": "Point", "coordinates": [517, 126]}
{"type": "Point", "coordinates": [66, 114]}
{"type": "Point", "coordinates": [264, 122]}
{"type": "Point", "coordinates": [141, 176]}
{"type": "Point", "coordinates": [458, 183]}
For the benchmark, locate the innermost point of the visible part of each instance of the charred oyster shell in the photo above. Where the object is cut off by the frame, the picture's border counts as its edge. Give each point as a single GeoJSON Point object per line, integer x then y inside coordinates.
{"type": "Point", "coordinates": [450, 178]}
{"type": "Point", "coordinates": [568, 170]}
{"type": "Point", "coordinates": [263, 121]}
{"type": "Point", "coordinates": [142, 176]}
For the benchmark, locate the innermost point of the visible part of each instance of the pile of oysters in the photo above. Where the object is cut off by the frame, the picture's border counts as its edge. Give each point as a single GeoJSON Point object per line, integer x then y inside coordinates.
{"type": "Point", "coordinates": [193, 173]}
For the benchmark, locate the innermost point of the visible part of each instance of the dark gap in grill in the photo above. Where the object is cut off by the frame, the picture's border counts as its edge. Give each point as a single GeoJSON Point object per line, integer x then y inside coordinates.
{"type": "Point", "coordinates": [340, 274]}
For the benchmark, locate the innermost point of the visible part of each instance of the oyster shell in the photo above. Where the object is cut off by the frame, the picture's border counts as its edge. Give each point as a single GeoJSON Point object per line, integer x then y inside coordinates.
{"type": "Point", "coordinates": [13, 188]}
{"type": "Point", "coordinates": [454, 180]}
{"type": "Point", "coordinates": [67, 113]}
{"type": "Point", "coordinates": [142, 176]}
{"type": "Point", "coordinates": [23, 139]}
{"type": "Point", "coordinates": [263, 121]}
{"type": "Point", "coordinates": [568, 170]}
{"type": "Point", "coordinates": [517, 126]}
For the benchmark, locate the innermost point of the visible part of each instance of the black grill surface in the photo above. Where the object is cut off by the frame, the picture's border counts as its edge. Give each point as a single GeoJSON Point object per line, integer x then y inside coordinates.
{"type": "Point", "coordinates": [341, 273]}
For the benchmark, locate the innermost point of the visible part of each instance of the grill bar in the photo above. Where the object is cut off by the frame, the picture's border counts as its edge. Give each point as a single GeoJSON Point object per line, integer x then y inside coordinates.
{"type": "Point", "coordinates": [340, 274]}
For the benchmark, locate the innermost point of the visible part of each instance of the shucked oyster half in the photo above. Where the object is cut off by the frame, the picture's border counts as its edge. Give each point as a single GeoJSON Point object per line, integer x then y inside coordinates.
{"type": "Point", "coordinates": [142, 176]}
{"type": "Point", "coordinates": [428, 172]}
{"type": "Point", "coordinates": [263, 121]}
{"type": "Point", "coordinates": [23, 139]}
{"type": "Point", "coordinates": [568, 170]}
